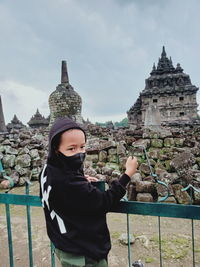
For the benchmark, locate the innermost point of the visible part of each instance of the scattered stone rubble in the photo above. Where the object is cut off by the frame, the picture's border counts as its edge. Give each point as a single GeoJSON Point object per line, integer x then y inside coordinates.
{"type": "Point", "coordinates": [174, 156]}
{"type": "Point", "coordinates": [23, 153]}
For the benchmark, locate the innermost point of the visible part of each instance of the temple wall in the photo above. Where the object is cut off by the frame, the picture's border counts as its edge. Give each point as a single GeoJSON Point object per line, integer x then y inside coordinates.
{"type": "Point", "coordinates": [23, 154]}
{"type": "Point", "coordinates": [172, 107]}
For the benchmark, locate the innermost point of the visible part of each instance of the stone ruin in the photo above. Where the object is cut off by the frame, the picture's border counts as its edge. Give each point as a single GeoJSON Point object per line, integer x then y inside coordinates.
{"type": "Point", "coordinates": [170, 91]}
{"type": "Point", "coordinates": [173, 152]}
{"type": "Point", "coordinates": [38, 120]}
{"type": "Point", "coordinates": [15, 123]}
{"type": "Point", "coordinates": [174, 157]}
{"type": "Point", "coordinates": [23, 153]}
{"type": "Point", "coordinates": [23, 150]}
{"type": "Point", "coordinates": [65, 101]}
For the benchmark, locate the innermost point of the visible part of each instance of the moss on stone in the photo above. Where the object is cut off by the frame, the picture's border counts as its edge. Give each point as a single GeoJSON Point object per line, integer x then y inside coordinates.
{"type": "Point", "coordinates": [157, 143]}
{"type": "Point", "coordinates": [198, 161]}
{"type": "Point", "coordinates": [167, 165]}
{"type": "Point", "coordinates": [159, 165]}
{"type": "Point", "coordinates": [168, 142]}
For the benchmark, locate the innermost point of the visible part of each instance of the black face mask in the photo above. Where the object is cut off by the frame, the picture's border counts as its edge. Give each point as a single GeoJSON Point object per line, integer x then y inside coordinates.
{"type": "Point", "coordinates": [75, 162]}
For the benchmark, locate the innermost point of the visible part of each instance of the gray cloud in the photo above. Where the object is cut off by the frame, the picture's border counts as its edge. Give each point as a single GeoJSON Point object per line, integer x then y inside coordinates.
{"type": "Point", "coordinates": [110, 48]}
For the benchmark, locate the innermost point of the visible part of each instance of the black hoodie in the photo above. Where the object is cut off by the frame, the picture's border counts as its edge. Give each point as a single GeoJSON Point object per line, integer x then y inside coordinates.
{"type": "Point", "coordinates": [75, 210]}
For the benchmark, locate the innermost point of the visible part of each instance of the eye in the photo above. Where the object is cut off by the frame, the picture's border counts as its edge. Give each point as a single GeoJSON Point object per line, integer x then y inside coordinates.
{"type": "Point", "coordinates": [71, 148]}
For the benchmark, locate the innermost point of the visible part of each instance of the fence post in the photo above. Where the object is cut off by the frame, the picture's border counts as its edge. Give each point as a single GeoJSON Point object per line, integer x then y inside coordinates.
{"type": "Point", "coordinates": [193, 254]}
{"type": "Point", "coordinates": [10, 244]}
{"type": "Point", "coordinates": [29, 229]}
{"type": "Point", "coordinates": [128, 238]}
{"type": "Point", "coordinates": [160, 241]}
{"type": "Point", "coordinates": [52, 255]}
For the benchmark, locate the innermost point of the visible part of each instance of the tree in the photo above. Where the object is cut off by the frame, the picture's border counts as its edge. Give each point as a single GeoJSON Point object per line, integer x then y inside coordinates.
{"type": "Point", "coordinates": [122, 123]}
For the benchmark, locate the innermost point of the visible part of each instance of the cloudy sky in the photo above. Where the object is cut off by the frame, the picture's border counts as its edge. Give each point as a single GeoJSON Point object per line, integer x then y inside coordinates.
{"type": "Point", "coordinates": [109, 45]}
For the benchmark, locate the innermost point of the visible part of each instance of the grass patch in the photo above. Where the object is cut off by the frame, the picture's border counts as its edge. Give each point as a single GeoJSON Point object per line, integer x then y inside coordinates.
{"type": "Point", "coordinates": [173, 248]}
{"type": "Point", "coordinates": [115, 235]}
{"type": "Point", "coordinates": [155, 239]}
{"type": "Point", "coordinates": [181, 241]}
{"type": "Point", "coordinates": [149, 260]}
{"type": "Point", "coordinates": [173, 253]}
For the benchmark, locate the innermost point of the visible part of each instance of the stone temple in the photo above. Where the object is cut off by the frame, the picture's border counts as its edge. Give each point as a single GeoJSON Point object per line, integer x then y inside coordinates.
{"type": "Point", "coordinates": [37, 121]}
{"type": "Point", "coordinates": [15, 124]}
{"type": "Point", "coordinates": [65, 101]}
{"type": "Point", "coordinates": [169, 93]}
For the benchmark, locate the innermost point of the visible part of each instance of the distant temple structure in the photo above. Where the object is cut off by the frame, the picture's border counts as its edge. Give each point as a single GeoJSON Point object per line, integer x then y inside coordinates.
{"type": "Point", "coordinates": [169, 93]}
{"type": "Point", "coordinates": [65, 101]}
{"type": "Point", "coordinates": [3, 128]}
{"type": "Point", "coordinates": [15, 124]}
{"type": "Point", "coordinates": [38, 121]}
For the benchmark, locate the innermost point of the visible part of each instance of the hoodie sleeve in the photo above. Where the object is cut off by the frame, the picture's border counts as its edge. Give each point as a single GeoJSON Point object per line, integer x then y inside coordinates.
{"type": "Point", "coordinates": [80, 196]}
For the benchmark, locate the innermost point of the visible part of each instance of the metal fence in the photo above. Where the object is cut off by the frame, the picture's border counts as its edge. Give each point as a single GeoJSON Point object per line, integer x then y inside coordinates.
{"type": "Point", "coordinates": [127, 207]}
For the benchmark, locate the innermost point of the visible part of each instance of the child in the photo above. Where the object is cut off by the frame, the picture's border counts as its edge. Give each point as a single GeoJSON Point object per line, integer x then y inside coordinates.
{"type": "Point", "coordinates": [75, 210]}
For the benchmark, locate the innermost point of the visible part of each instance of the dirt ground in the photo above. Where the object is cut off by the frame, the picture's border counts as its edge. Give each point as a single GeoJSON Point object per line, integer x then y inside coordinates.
{"type": "Point", "coordinates": [176, 238]}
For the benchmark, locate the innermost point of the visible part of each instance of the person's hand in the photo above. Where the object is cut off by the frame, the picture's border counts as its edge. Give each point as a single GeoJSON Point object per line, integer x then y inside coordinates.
{"type": "Point", "coordinates": [91, 179]}
{"type": "Point", "coordinates": [131, 166]}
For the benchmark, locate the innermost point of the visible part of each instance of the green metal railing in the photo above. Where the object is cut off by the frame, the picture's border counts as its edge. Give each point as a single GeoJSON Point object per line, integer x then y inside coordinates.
{"type": "Point", "coordinates": [127, 207]}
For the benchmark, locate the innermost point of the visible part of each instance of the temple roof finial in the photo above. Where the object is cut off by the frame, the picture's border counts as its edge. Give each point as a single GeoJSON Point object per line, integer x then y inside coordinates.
{"type": "Point", "coordinates": [64, 73]}
{"type": "Point", "coordinates": [163, 52]}
{"type": "Point", "coordinates": [153, 69]}
{"type": "Point", "coordinates": [165, 64]}
{"type": "Point", "coordinates": [15, 117]}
